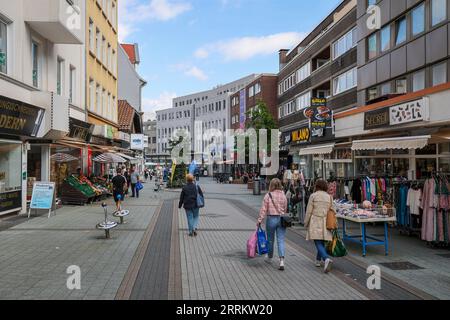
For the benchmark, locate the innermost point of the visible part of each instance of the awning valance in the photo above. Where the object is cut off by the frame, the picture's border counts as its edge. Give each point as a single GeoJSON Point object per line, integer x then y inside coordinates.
{"type": "Point", "coordinates": [125, 156]}
{"type": "Point", "coordinates": [320, 150]}
{"type": "Point", "coordinates": [418, 142]}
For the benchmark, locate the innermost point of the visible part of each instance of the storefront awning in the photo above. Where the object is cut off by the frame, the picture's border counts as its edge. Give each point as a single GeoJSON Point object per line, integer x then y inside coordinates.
{"type": "Point", "coordinates": [125, 156]}
{"type": "Point", "coordinates": [418, 142]}
{"type": "Point", "coordinates": [320, 150]}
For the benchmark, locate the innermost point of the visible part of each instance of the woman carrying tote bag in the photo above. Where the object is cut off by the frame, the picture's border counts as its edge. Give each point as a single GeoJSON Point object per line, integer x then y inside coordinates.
{"type": "Point", "coordinates": [319, 205]}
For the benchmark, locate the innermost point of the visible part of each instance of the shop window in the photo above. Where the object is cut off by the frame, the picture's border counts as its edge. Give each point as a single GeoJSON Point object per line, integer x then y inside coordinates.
{"type": "Point", "coordinates": [438, 11]}
{"type": "Point", "coordinates": [429, 150]}
{"type": "Point", "coordinates": [10, 171]}
{"type": "Point", "coordinates": [424, 167]}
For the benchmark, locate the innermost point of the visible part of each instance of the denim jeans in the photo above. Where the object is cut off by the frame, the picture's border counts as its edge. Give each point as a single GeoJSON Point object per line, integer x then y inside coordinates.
{"type": "Point", "coordinates": [321, 251]}
{"type": "Point", "coordinates": [192, 217]}
{"type": "Point", "coordinates": [134, 190]}
{"type": "Point", "coordinates": [273, 226]}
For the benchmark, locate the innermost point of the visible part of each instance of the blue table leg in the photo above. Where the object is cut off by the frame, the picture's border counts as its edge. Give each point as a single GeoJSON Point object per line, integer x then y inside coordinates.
{"type": "Point", "coordinates": [363, 238]}
{"type": "Point", "coordinates": [344, 234]}
{"type": "Point", "coordinates": [386, 243]}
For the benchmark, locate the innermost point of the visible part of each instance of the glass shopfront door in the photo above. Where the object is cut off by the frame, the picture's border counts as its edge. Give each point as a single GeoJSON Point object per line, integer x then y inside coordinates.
{"type": "Point", "coordinates": [10, 176]}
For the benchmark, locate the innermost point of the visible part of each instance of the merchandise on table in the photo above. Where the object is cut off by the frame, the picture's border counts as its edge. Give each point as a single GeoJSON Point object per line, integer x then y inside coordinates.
{"type": "Point", "coordinates": [345, 208]}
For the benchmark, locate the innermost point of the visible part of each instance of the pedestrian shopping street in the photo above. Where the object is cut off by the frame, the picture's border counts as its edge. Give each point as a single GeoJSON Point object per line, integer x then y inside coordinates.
{"type": "Point", "coordinates": [151, 256]}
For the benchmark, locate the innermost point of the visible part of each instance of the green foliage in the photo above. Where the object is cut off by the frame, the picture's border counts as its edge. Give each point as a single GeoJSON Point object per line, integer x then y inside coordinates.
{"type": "Point", "coordinates": [179, 178]}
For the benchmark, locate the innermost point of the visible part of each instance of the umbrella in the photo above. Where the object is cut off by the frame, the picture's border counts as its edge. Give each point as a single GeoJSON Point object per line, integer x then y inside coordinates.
{"type": "Point", "coordinates": [63, 157]}
{"type": "Point", "coordinates": [109, 158]}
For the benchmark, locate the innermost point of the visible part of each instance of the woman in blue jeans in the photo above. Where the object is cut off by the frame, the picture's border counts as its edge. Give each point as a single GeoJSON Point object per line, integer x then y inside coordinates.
{"type": "Point", "coordinates": [188, 200]}
{"type": "Point", "coordinates": [274, 207]}
{"type": "Point", "coordinates": [316, 221]}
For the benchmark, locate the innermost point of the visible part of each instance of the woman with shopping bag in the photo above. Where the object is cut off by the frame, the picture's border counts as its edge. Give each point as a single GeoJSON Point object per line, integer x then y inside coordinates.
{"type": "Point", "coordinates": [274, 207]}
{"type": "Point", "coordinates": [320, 207]}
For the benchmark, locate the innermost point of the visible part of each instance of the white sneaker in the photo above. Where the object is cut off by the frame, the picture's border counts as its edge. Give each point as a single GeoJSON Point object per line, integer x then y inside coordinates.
{"type": "Point", "coordinates": [328, 264]}
{"type": "Point", "coordinates": [282, 264]}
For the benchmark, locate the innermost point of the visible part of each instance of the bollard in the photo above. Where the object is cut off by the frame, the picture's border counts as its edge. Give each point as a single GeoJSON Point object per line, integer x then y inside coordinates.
{"type": "Point", "coordinates": [106, 225]}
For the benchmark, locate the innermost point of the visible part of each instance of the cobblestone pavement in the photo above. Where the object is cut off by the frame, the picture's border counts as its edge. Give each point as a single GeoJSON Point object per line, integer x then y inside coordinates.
{"type": "Point", "coordinates": [152, 257]}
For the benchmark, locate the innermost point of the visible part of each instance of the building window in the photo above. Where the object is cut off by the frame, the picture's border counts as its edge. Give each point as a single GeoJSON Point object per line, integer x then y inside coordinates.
{"type": "Point", "coordinates": [304, 72]}
{"type": "Point", "coordinates": [114, 62]}
{"type": "Point", "coordinates": [109, 101]}
{"type": "Point", "coordinates": [98, 43]}
{"type": "Point", "coordinates": [344, 44]}
{"type": "Point", "coordinates": [372, 94]}
{"type": "Point", "coordinates": [257, 88]}
{"type": "Point", "coordinates": [3, 47]}
{"type": "Point", "coordinates": [418, 19]}
{"type": "Point", "coordinates": [400, 31]}
{"type": "Point", "coordinates": [400, 86]}
{"type": "Point", "coordinates": [72, 81]}
{"type": "Point", "coordinates": [104, 50]}
{"type": "Point", "coordinates": [109, 58]}
{"type": "Point", "coordinates": [419, 80]}
{"type": "Point", "coordinates": [439, 74]}
{"type": "Point", "coordinates": [91, 95]}
{"type": "Point", "coordinates": [438, 11]}
{"type": "Point", "coordinates": [35, 63]}
{"type": "Point", "coordinates": [91, 35]}
{"type": "Point", "coordinates": [104, 104]}
{"type": "Point", "coordinates": [345, 81]}
{"type": "Point", "coordinates": [114, 15]}
{"type": "Point", "coordinates": [372, 46]}
{"type": "Point", "coordinates": [371, 2]}
{"type": "Point", "coordinates": [386, 89]}
{"type": "Point", "coordinates": [59, 76]}
{"type": "Point", "coordinates": [251, 91]}
{"type": "Point", "coordinates": [385, 38]}
{"type": "Point", "coordinates": [304, 101]}
{"type": "Point", "coordinates": [98, 100]}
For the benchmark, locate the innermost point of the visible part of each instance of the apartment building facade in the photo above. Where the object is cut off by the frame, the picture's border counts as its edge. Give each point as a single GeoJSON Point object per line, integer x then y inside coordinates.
{"type": "Point", "coordinates": [316, 79]}
{"type": "Point", "coordinates": [41, 92]}
{"type": "Point", "coordinates": [401, 124]}
{"type": "Point", "coordinates": [264, 89]}
{"type": "Point", "coordinates": [197, 113]}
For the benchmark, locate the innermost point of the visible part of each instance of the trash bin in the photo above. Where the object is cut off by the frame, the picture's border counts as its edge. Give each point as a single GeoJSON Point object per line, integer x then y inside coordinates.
{"type": "Point", "coordinates": [256, 187]}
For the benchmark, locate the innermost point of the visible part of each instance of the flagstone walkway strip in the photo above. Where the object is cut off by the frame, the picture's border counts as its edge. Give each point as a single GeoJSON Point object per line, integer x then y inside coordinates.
{"type": "Point", "coordinates": [175, 279]}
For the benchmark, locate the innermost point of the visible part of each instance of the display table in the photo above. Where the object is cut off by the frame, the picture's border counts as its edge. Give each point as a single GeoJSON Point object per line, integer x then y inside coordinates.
{"type": "Point", "coordinates": [364, 238]}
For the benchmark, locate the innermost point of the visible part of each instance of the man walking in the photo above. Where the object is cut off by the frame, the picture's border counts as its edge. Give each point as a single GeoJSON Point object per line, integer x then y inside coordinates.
{"type": "Point", "coordinates": [134, 179]}
{"type": "Point", "coordinates": [119, 184]}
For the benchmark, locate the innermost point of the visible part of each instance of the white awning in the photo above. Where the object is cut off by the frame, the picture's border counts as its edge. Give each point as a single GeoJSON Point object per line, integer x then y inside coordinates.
{"type": "Point", "coordinates": [320, 150]}
{"type": "Point", "coordinates": [392, 143]}
{"type": "Point", "coordinates": [125, 156]}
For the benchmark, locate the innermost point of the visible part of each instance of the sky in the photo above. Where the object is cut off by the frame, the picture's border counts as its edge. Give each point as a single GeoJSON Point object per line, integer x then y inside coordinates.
{"type": "Point", "coordinates": [187, 46]}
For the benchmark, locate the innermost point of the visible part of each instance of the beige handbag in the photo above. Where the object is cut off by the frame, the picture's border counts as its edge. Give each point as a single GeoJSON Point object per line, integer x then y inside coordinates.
{"type": "Point", "coordinates": [331, 217]}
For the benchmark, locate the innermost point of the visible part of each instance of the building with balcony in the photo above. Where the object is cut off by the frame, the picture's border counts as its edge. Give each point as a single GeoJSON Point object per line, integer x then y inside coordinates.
{"type": "Point", "coordinates": [401, 124]}
{"type": "Point", "coordinates": [41, 93]}
{"type": "Point", "coordinates": [321, 69]}
{"type": "Point", "coordinates": [102, 72]}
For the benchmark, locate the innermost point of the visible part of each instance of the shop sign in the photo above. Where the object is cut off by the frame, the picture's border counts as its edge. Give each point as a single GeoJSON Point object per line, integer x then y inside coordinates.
{"type": "Point", "coordinates": [413, 111]}
{"type": "Point", "coordinates": [10, 201]}
{"type": "Point", "coordinates": [302, 135]}
{"type": "Point", "coordinates": [109, 132]}
{"type": "Point", "coordinates": [100, 141]}
{"type": "Point", "coordinates": [80, 130]}
{"type": "Point", "coordinates": [319, 115]}
{"type": "Point", "coordinates": [137, 142]}
{"type": "Point", "coordinates": [376, 119]}
{"type": "Point", "coordinates": [43, 194]}
{"type": "Point", "coordinates": [19, 118]}
{"type": "Point", "coordinates": [122, 136]}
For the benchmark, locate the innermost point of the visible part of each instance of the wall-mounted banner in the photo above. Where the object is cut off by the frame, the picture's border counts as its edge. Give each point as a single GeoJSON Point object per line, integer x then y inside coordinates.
{"type": "Point", "coordinates": [376, 119]}
{"type": "Point", "coordinates": [319, 115]}
{"type": "Point", "coordinates": [302, 135]}
{"type": "Point", "coordinates": [80, 130]}
{"type": "Point", "coordinates": [242, 108]}
{"type": "Point", "coordinates": [408, 112]}
{"type": "Point", "coordinates": [19, 118]}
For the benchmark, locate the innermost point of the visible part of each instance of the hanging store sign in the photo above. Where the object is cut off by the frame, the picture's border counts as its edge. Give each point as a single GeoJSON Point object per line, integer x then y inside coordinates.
{"type": "Point", "coordinates": [19, 118]}
{"type": "Point", "coordinates": [80, 130]}
{"type": "Point", "coordinates": [413, 111]}
{"type": "Point", "coordinates": [376, 119]}
{"type": "Point", "coordinates": [137, 142]}
{"type": "Point", "coordinates": [302, 135]}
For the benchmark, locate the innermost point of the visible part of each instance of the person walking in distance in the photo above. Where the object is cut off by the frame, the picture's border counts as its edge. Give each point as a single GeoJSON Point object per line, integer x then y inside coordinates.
{"type": "Point", "coordinates": [188, 200]}
{"type": "Point", "coordinates": [119, 184]}
{"type": "Point", "coordinates": [134, 179]}
{"type": "Point", "coordinates": [316, 223]}
{"type": "Point", "coordinates": [127, 178]}
{"type": "Point", "coordinates": [274, 206]}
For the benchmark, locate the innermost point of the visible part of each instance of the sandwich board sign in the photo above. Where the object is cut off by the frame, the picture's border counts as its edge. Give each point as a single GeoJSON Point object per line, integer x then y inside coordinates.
{"type": "Point", "coordinates": [43, 197]}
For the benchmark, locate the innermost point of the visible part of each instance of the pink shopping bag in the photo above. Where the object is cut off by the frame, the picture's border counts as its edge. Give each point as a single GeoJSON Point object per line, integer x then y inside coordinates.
{"type": "Point", "coordinates": [251, 245]}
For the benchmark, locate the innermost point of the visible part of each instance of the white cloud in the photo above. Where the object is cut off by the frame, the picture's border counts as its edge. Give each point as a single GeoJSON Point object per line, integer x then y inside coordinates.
{"type": "Point", "coordinates": [190, 71]}
{"type": "Point", "coordinates": [248, 47]}
{"type": "Point", "coordinates": [131, 12]}
{"type": "Point", "coordinates": [164, 101]}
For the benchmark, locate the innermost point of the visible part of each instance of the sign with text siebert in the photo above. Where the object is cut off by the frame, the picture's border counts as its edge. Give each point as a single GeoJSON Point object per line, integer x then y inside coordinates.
{"type": "Point", "coordinates": [376, 119]}
{"type": "Point", "coordinates": [408, 112]}
{"type": "Point", "coordinates": [43, 195]}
